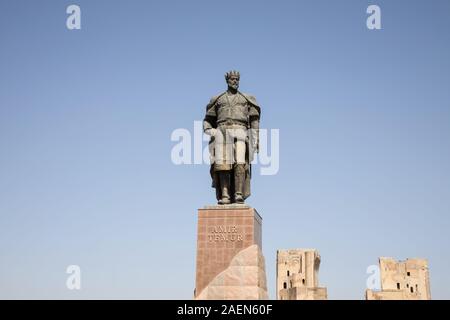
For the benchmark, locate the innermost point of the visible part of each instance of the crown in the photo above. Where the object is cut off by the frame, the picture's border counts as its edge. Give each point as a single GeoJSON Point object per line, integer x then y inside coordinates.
{"type": "Point", "coordinates": [229, 74]}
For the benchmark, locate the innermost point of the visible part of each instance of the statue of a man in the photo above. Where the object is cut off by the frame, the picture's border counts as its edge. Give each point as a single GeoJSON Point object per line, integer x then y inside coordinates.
{"type": "Point", "coordinates": [232, 121]}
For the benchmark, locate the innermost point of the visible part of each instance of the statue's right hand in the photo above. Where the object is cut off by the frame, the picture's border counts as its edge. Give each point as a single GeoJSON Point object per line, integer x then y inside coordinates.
{"type": "Point", "coordinates": [211, 132]}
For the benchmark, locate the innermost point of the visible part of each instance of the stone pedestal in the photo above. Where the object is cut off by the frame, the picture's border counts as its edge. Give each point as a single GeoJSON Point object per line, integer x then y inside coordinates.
{"type": "Point", "coordinates": [230, 264]}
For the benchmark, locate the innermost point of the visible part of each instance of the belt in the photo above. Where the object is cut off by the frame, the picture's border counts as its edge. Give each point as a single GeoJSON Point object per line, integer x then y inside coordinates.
{"type": "Point", "coordinates": [230, 122]}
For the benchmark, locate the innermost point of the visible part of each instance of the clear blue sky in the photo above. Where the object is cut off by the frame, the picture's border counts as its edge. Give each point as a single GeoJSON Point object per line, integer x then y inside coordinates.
{"type": "Point", "coordinates": [86, 117]}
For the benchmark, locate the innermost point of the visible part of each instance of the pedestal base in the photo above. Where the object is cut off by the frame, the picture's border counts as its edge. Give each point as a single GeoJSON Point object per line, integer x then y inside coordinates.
{"type": "Point", "coordinates": [230, 264]}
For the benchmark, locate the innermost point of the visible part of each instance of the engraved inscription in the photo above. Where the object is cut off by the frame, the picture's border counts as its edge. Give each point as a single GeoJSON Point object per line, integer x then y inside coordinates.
{"type": "Point", "coordinates": [224, 233]}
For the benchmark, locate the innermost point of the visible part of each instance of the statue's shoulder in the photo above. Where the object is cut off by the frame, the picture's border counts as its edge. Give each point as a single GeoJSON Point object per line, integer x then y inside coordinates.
{"type": "Point", "coordinates": [214, 99]}
{"type": "Point", "coordinates": [250, 98]}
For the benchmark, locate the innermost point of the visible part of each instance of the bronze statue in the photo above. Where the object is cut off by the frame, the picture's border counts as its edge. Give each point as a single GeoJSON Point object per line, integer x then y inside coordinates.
{"type": "Point", "coordinates": [232, 121]}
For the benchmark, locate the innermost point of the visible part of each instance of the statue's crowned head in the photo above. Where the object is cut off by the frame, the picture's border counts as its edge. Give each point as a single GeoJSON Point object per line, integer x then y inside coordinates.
{"type": "Point", "coordinates": [232, 78]}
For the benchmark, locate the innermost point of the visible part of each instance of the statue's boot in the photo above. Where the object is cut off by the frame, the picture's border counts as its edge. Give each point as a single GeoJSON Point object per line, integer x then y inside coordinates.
{"type": "Point", "coordinates": [239, 177]}
{"type": "Point", "coordinates": [224, 177]}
